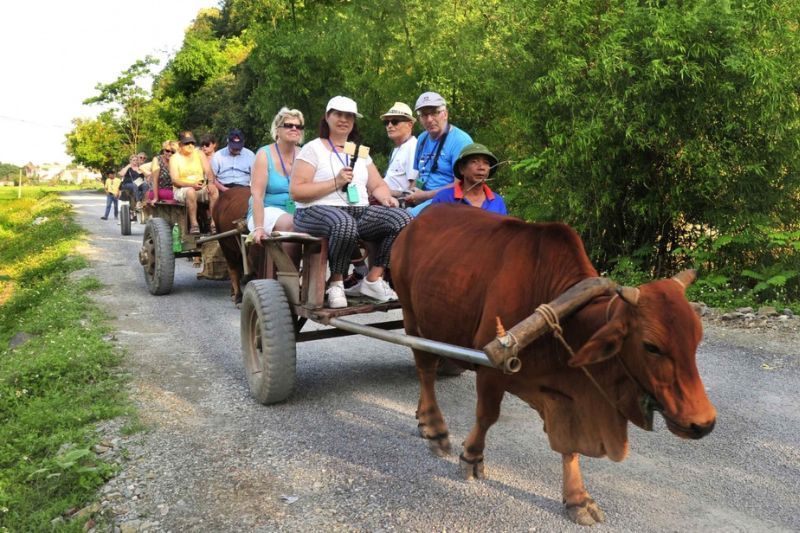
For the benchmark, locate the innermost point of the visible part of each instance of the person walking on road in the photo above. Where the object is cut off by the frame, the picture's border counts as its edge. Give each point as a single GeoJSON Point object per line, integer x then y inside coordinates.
{"type": "Point", "coordinates": [112, 187]}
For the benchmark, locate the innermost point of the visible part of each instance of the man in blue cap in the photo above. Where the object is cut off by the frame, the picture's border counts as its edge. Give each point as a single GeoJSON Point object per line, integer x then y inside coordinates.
{"type": "Point", "coordinates": [437, 149]}
{"type": "Point", "coordinates": [232, 165]}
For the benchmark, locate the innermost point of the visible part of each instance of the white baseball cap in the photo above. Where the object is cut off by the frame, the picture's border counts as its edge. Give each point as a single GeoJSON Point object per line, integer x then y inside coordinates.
{"type": "Point", "coordinates": [429, 99]}
{"type": "Point", "coordinates": [343, 104]}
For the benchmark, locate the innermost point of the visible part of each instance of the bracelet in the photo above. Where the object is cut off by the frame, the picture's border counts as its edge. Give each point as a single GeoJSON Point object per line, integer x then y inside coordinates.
{"type": "Point", "coordinates": [259, 227]}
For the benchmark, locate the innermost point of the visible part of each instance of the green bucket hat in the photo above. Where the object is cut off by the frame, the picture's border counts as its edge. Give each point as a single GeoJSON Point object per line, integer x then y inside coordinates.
{"type": "Point", "coordinates": [474, 149]}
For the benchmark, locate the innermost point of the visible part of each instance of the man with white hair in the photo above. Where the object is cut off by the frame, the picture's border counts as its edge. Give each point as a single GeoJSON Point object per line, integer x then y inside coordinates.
{"type": "Point", "coordinates": [437, 150]}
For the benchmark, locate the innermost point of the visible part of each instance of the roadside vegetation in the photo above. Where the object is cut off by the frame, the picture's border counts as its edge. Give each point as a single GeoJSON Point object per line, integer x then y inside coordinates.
{"type": "Point", "coordinates": [58, 373]}
{"type": "Point", "coordinates": [664, 132]}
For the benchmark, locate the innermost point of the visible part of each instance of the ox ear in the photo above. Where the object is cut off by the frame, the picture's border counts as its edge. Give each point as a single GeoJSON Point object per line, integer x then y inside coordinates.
{"type": "Point", "coordinates": [604, 344]}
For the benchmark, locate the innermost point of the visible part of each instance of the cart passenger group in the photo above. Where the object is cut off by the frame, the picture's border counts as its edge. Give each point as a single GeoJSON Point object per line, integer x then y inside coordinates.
{"type": "Point", "coordinates": [328, 187]}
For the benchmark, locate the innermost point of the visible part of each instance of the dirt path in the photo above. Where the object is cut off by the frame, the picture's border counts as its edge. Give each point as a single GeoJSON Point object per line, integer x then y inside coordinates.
{"type": "Point", "coordinates": [342, 453]}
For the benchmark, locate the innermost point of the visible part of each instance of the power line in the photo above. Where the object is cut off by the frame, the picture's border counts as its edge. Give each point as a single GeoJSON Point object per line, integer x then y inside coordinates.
{"type": "Point", "coordinates": [42, 124]}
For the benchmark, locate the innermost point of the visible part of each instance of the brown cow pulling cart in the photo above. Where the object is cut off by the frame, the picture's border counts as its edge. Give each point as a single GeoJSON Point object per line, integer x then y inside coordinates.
{"type": "Point", "coordinates": [276, 307]}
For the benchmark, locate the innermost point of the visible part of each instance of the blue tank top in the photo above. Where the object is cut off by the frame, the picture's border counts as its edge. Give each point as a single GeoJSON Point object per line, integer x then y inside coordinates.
{"type": "Point", "coordinates": [277, 193]}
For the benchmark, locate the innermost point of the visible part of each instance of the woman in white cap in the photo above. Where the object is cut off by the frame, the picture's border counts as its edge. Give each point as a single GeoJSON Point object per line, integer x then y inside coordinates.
{"type": "Point", "coordinates": [332, 195]}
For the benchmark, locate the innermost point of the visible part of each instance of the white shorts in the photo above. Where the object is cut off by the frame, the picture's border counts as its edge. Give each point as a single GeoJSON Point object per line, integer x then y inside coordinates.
{"type": "Point", "coordinates": [271, 216]}
{"type": "Point", "coordinates": [180, 194]}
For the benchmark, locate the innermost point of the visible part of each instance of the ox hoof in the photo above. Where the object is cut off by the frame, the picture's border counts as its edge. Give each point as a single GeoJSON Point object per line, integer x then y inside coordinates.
{"type": "Point", "coordinates": [471, 468]}
{"type": "Point", "coordinates": [439, 444]}
{"type": "Point", "coordinates": [586, 513]}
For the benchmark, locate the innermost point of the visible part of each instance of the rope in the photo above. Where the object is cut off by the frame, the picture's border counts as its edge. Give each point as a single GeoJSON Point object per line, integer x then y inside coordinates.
{"type": "Point", "coordinates": [550, 316]}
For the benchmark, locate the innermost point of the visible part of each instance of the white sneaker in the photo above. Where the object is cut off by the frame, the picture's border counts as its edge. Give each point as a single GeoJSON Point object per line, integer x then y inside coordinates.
{"type": "Point", "coordinates": [378, 290]}
{"type": "Point", "coordinates": [336, 297]}
{"type": "Point", "coordinates": [355, 290]}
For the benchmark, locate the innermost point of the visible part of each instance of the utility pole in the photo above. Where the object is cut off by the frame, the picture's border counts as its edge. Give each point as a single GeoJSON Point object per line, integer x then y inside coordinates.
{"type": "Point", "coordinates": [19, 193]}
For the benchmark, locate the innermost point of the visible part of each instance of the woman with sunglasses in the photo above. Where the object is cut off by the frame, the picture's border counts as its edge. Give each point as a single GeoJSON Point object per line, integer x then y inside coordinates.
{"type": "Point", "coordinates": [331, 190]}
{"type": "Point", "coordinates": [192, 179]}
{"type": "Point", "coordinates": [400, 173]}
{"type": "Point", "coordinates": [160, 182]}
{"type": "Point", "coordinates": [269, 183]}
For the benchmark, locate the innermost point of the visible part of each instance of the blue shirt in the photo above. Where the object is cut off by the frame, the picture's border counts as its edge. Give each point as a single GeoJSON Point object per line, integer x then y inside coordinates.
{"type": "Point", "coordinates": [277, 193]}
{"type": "Point", "coordinates": [493, 203]}
{"type": "Point", "coordinates": [233, 169]}
{"type": "Point", "coordinates": [424, 157]}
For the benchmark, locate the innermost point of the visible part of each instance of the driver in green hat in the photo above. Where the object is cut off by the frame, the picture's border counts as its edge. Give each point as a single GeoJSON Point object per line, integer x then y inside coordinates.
{"type": "Point", "coordinates": [475, 165]}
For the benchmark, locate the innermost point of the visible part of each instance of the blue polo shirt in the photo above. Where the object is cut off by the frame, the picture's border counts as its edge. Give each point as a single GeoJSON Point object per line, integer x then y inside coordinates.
{"type": "Point", "coordinates": [233, 169]}
{"type": "Point", "coordinates": [493, 202]}
{"type": "Point", "coordinates": [425, 157]}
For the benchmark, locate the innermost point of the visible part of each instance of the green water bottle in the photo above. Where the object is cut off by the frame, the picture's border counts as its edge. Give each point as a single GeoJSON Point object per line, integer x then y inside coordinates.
{"type": "Point", "coordinates": [176, 239]}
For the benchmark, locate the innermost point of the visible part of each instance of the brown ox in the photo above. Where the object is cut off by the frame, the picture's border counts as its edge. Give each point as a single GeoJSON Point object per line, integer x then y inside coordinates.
{"type": "Point", "coordinates": [456, 268]}
{"type": "Point", "coordinates": [230, 207]}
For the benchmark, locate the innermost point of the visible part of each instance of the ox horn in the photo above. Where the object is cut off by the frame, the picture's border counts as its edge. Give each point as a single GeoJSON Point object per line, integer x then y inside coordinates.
{"type": "Point", "coordinates": [504, 348]}
{"type": "Point", "coordinates": [629, 295]}
{"type": "Point", "coordinates": [685, 278]}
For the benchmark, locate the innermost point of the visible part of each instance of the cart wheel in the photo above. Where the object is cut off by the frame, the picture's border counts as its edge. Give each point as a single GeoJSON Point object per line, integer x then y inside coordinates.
{"type": "Point", "coordinates": [156, 256]}
{"type": "Point", "coordinates": [268, 345]}
{"type": "Point", "coordinates": [448, 368]}
{"type": "Point", "coordinates": [125, 219]}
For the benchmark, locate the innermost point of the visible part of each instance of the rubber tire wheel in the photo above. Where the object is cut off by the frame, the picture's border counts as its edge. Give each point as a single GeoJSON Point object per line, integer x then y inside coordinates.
{"type": "Point", "coordinates": [125, 219]}
{"type": "Point", "coordinates": [159, 274]}
{"type": "Point", "coordinates": [269, 349]}
{"type": "Point", "coordinates": [449, 368]}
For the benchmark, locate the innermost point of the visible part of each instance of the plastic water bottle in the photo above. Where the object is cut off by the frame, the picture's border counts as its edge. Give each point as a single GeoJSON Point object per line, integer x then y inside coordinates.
{"type": "Point", "coordinates": [177, 246]}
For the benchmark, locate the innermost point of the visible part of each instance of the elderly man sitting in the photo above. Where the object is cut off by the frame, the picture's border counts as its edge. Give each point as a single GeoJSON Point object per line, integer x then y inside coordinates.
{"type": "Point", "coordinates": [475, 164]}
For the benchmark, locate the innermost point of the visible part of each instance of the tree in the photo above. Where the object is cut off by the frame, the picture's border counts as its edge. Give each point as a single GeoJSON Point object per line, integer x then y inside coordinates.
{"type": "Point", "coordinates": [99, 143]}
{"type": "Point", "coordinates": [127, 100]}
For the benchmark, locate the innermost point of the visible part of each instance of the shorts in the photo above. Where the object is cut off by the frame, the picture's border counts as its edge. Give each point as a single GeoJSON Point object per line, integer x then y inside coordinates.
{"type": "Point", "coordinates": [271, 216]}
{"type": "Point", "coordinates": [180, 194]}
{"type": "Point", "coordinates": [164, 195]}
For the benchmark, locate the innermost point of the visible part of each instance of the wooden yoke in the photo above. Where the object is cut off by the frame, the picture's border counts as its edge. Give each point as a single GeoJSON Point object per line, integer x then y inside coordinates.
{"type": "Point", "coordinates": [503, 351]}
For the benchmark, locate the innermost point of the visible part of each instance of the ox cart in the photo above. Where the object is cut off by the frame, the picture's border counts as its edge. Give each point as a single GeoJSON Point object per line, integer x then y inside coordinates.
{"type": "Point", "coordinates": [167, 237]}
{"type": "Point", "coordinates": [282, 299]}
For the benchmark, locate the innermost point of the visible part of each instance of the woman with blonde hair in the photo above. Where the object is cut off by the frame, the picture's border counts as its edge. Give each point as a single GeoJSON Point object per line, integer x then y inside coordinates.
{"type": "Point", "coordinates": [269, 182]}
{"type": "Point", "coordinates": [160, 181]}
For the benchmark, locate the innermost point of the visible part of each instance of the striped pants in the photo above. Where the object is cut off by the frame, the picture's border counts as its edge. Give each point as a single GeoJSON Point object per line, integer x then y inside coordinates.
{"type": "Point", "coordinates": [343, 226]}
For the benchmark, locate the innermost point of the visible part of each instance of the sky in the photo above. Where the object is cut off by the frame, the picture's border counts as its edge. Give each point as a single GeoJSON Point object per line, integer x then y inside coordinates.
{"type": "Point", "coordinates": [54, 52]}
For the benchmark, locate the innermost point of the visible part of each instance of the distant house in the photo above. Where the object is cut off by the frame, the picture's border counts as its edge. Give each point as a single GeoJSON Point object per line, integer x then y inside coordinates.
{"type": "Point", "coordinates": [54, 173]}
{"type": "Point", "coordinates": [30, 170]}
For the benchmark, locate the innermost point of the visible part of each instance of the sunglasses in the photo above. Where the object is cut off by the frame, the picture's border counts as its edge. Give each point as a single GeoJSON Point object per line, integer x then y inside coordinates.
{"type": "Point", "coordinates": [190, 143]}
{"type": "Point", "coordinates": [169, 151]}
{"type": "Point", "coordinates": [293, 126]}
{"type": "Point", "coordinates": [206, 145]}
{"type": "Point", "coordinates": [394, 121]}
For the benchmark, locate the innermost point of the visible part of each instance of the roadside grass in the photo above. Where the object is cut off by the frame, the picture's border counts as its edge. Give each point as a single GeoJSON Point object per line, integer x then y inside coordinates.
{"type": "Point", "coordinates": [61, 379]}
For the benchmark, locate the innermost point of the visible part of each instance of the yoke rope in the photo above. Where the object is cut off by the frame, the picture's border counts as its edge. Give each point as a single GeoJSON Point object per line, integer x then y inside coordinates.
{"type": "Point", "coordinates": [550, 316]}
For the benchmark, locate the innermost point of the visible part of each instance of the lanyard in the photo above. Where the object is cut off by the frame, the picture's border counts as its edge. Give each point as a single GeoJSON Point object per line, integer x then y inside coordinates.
{"type": "Point", "coordinates": [346, 161]}
{"type": "Point", "coordinates": [438, 152]}
{"type": "Point", "coordinates": [280, 158]}
{"type": "Point", "coordinates": [394, 153]}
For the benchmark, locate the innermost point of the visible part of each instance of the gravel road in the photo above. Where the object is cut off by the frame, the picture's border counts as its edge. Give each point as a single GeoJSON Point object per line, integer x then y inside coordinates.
{"type": "Point", "coordinates": [342, 453]}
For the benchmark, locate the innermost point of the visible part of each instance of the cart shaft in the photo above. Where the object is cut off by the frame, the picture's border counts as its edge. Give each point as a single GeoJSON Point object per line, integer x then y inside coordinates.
{"type": "Point", "coordinates": [435, 347]}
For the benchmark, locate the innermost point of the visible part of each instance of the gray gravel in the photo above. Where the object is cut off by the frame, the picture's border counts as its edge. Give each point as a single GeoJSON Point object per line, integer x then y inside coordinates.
{"type": "Point", "coordinates": [342, 453]}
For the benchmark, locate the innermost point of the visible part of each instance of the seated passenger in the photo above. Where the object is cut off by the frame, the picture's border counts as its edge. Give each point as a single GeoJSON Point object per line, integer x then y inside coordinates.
{"type": "Point", "coordinates": [270, 179]}
{"type": "Point", "coordinates": [191, 176]}
{"type": "Point", "coordinates": [160, 182]}
{"type": "Point", "coordinates": [132, 180]}
{"type": "Point", "coordinates": [332, 194]}
{"type": "Point", "coordinates": [475, 164]}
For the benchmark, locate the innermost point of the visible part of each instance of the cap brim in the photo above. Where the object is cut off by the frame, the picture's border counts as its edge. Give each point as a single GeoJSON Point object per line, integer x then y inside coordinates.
{"type": "Point", "coordinates": [389, 115]}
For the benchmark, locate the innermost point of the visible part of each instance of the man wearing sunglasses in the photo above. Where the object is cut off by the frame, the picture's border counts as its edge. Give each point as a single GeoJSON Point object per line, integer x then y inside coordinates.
{"type": "Point", "coordinates": [400, 173]}
{"type": "Point", "coordinates": [233, 164]}
{"type": "Point", "coordinates": [437, 149]}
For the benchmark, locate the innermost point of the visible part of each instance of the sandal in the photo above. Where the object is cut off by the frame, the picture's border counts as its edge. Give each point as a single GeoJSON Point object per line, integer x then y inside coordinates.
{"type": "Point", "coordinates": [194, 230]}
